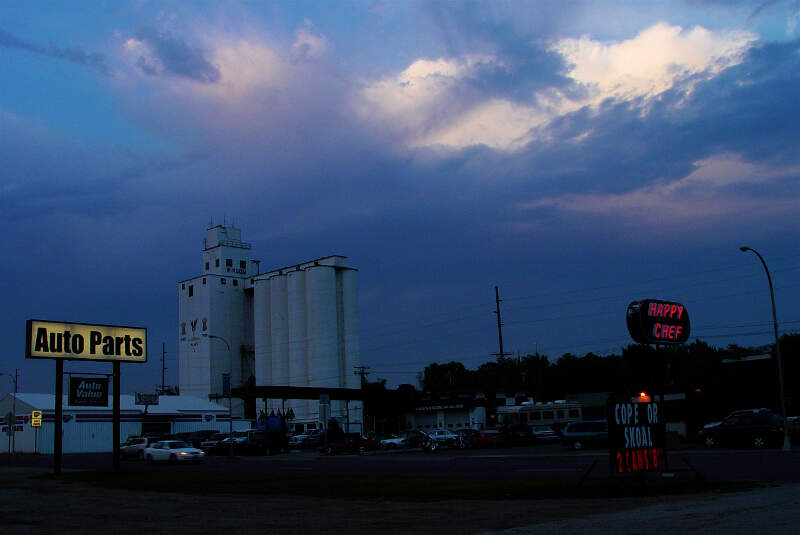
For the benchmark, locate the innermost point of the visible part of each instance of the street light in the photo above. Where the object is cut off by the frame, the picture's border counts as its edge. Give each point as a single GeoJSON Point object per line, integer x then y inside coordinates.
{"type": "Point", "coordinates": [230, 403]}
{"type": "Point", "coordinates": [787, 445]}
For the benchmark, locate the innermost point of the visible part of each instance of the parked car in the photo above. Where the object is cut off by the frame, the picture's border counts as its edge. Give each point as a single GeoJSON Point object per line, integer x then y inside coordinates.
{"type": "Point", "coordinates": [585, 434]}
{"type": "Point", "coordinates": [255, 443]}
{"type": "Point", "coordinates": [394, 442]}
{"type": "Point", "coordinates": [488, 438]}
{"type": "Point", "coordinates": [135, 446]}
{"type": "Point", "coordinates": [447, 438]}
{"type": "Point", "coordinates": [466, 435]}
{"type": "Point", "coordinates": [350, 443]}
{"type": "Point", "coordinates": [210, 445]}
{"type": "Point", "coordinates": [239, 442]}
{"type": "Point", "coordinates": [306, 440]}
{"type": "Point", "coordinates": [519, 434]}
{"type": "Point", "coordinates": [196, 438]}
{"type": "Point", "coordinates": [543, 433]}
{"type": "Point", "coordinates": [756, 428]}
{"type": "Point", "coordinates": [173, 451]}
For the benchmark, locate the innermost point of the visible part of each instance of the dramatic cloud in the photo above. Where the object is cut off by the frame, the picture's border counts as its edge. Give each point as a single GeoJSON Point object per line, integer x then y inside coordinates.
{"type": "Point", "coordinates": [436, 104]}
{"type": "Point", "coordinates": [652, 62]}
{"type": "Point", "coordinates": [72, 54]}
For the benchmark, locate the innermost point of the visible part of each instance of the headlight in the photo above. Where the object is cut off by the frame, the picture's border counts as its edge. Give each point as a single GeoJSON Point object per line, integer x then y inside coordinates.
{"type": "Point", "coordinates": [182, 453]}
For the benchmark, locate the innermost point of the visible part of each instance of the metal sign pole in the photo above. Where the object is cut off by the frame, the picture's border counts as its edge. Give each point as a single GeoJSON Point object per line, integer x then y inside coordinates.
{"type": "Point", "coordinates": [116, 418]}
{"type": "Point", "coordinates": [59, 417]}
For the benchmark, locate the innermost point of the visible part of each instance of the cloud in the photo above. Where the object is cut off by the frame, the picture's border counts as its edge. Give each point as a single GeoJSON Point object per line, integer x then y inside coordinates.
{"type": "Point", "coordinates": [655, 60]}
{"type": "Point", "coordinates": [160, 53]}
{"type": "Point", "coordinates": [75, 55]}
{"type": "Point", "coordinates": [723, 187]}
{"type": "Point", "coordinates": [308, 46]}
{"type": "Point", "coordinates": [442, 102]}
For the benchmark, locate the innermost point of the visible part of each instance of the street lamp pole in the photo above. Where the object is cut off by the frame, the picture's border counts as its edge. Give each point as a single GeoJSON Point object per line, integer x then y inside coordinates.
{"type": "Point", "coordinates": [787, 445]}
{"type": "Point", "coordinates": [230, 402]}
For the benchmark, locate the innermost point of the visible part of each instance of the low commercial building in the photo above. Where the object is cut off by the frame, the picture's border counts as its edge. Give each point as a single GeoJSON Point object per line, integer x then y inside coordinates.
{"type": "Point", "coordinates": [90, 429]}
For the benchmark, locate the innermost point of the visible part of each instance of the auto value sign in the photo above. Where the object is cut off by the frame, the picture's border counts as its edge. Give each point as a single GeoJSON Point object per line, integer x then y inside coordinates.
{"type": "Point", "coordinates": [88, 391]}
{"type": "Point", "coordinates": [635, 436]}
{"type": "Point", "coordinates": [80, 341]}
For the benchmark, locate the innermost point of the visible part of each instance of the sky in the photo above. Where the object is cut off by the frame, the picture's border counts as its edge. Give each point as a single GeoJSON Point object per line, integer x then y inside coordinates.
{"type": "Point", "coordinates": [577, 155]}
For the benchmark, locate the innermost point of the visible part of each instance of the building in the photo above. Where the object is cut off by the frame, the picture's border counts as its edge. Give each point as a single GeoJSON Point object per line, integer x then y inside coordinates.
{"type": "Point", "coordinates": [90, 429]}
{"type": "Point", "coordinates": [293, 326]}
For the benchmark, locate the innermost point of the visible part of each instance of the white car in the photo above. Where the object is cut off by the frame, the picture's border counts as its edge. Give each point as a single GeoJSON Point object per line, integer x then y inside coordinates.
{"type": "Point", "coordinates": [445, 437]}
{"type": "Point", "coordinates": [173, 451]}
{"type": "Point", "coordinates": [396, 441]}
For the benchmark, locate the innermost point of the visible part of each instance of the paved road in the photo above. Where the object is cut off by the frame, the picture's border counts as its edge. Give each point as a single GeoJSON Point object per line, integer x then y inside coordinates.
{"type": "Point", "coordinates": [763, 465]}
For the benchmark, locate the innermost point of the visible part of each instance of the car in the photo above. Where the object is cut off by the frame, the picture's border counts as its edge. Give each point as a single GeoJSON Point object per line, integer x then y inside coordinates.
{"type": "Point", "coordinates": [519, 434]}
{"type": "Point", "coordinates": [310, 439]}
{"type": "Point", "coordinates": [258, 443]}
{"type": "Point", "coordinates": [350, 443]}
{"type": "Point", "coordinates": [488, 438]}
{"type": "Point", "coordinates": [296, 441]}
{"type": "Point", "coordinates": [466, 435]}
{"type": "Point", "coordinates": [195, 438]}
{"type": "Point", "coordinates": [756, 428]}
{"type": "Point", "coordinates": [173, 451]}
{"type": "Point", "coordinates": [543, 433]}
{"type": "Point", "coordinates": [394, 442]}
{"type": "Point", "coordinates": [239, 443]}
{"type": "Point", "coordinates": [210, 445]}
{"type": "Point", "coordinates": [135, 446]}
{"type": "Point", "coordinates": [447, 438]}
{"type": "Point", "coordinates": [585, 434]}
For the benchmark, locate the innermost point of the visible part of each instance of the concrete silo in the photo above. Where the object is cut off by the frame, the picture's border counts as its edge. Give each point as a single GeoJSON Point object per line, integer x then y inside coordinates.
{"type": "Point", "coordinates": [296, 313]}
{"type": "Point", "coordinates": [279, 327]}
{"type": "Point", "coordinates": [293, 326]}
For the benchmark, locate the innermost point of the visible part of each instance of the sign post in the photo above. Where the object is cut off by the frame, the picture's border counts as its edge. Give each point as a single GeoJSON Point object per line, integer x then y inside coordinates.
{"type": "Point", "coordinates": [637, 431]}
{"type": "Point", "coordinates": [62, 341]}
{"type": "Point", "coordinates": [36, 423]}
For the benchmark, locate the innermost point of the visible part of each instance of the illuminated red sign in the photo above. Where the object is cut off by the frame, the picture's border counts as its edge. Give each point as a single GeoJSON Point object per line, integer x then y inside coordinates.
{"type": "Point", "coordinates": [653, 321]}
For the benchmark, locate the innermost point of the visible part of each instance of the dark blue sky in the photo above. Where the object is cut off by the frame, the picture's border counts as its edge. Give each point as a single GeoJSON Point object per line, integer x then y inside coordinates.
{"type": "Point", "coordinates": [579, 158]}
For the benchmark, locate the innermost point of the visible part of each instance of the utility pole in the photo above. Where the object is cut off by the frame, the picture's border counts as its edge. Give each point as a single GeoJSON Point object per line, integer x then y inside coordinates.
{"type": "Point", "coordinates": [362, 371]}
{"type": "Point", "coordinates": [163, 365]}
{"type": "Point", "coordinates": [497, 300]}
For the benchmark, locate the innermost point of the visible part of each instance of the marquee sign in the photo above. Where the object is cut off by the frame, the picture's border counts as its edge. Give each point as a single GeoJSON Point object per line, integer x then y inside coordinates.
{"type": "Point", "coordinates": [88, 391]}
{"type": "Point", "coordinates": [654, 321]}
{"type": "Point", "coordinates": [79, 341]}
{"type": "Point", "coordinates": [636, 437]}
